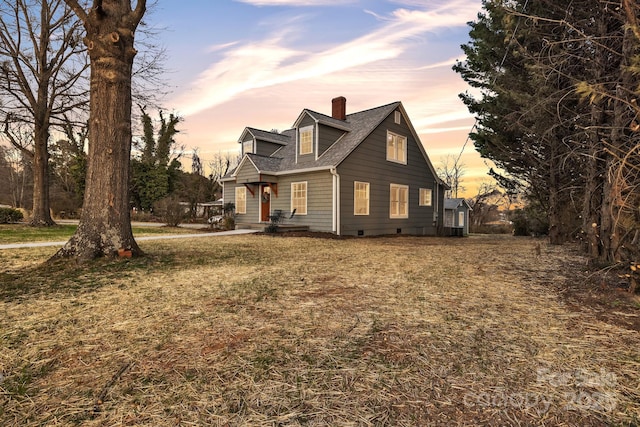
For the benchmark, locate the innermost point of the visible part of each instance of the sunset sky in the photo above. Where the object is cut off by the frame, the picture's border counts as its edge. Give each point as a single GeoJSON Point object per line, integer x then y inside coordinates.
{"type": "Point", "coordinates": [258, 63]}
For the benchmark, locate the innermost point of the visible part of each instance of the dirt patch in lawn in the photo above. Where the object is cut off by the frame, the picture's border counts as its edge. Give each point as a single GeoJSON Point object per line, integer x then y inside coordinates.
{"type": "Point", "coordinates": [257, 330]}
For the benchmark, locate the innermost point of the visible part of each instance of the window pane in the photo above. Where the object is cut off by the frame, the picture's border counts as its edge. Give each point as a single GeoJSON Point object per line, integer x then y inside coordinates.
{"type": "Point", "coordinates": [247, 147]}
{"type": "Point", "coordinates": [361, 198]}
{"type": "Point", "coordinates": [306, 141]}
{"type": "Point", "coordinates": [399, 201]}
{"type": "Point", "coordinates": [402, 149]}
{"type": "Point", "coordinates": [241, 200]}
{"type": "Point", "coordinates": [403, 201]}
{"type": "Point", "coordinates": [425, 197]}
{"type": "Point", "coordinates": [391, 147]}
{"type": "Point", "coordinates": [396, 147]}
{"type": "Point", "coordinates": [299, 197]}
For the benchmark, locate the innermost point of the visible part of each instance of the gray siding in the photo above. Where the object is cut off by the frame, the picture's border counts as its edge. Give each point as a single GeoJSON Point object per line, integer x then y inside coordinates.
{"type": "Point", "coordinates": [367, 163]}
{"type": "Point", "coordinates": [455, 221]}
{"type": "Point", "coordinates": [319, 215]}
{"type": "Point", "coordinates": [327, 137]}
{"type": "Point", "coordinates": [253, 202]}
{"type": "Point", "coordinates": [247, 173]}
{"type": "Point", "coordinates": [264, 148]}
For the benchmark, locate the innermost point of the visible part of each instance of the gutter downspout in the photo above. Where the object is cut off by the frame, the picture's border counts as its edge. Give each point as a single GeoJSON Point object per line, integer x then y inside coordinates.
{"type": "Point", "coordinates": [437, 211]}
{"type": "Point", "coordinates": [336, 201]}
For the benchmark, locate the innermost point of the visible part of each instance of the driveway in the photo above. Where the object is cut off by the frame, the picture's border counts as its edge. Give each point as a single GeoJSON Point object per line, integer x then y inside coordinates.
{"type": "Point", "coordinates": [138, 239]}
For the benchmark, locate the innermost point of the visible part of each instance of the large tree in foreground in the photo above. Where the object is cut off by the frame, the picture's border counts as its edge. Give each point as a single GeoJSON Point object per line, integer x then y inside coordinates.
{"type": "Point", "coordinates": [105, 223]}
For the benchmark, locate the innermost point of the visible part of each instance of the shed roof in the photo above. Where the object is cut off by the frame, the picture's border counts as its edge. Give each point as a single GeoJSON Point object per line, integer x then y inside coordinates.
{"type": "Point", "coordinates": [453, 204]}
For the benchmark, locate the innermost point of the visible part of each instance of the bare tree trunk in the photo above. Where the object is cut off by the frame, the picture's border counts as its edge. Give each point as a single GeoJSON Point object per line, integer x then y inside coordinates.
{"type": "Point", "coordinates": [555, 222]}
{"type": "Point", "coordinates": [613, 201]}
{"type": "Point", "coordinates": [41, 214]}
{"type": "Point", "coordinates": [105, 223]}
{"type": "Point", "coordinates": [593, 189]}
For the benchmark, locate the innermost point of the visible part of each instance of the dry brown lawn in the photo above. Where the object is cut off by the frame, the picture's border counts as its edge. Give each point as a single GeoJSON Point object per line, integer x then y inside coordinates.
{"type": "Point", "coordinates": [274, 331]}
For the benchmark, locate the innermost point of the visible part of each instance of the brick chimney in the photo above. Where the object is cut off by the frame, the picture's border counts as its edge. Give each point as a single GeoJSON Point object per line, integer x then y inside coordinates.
{"type": "Point", "coordinates": [339, 108]}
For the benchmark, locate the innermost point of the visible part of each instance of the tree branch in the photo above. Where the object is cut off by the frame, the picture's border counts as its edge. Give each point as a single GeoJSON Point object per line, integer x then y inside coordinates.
{"type": "Point", "coordinates": [79, 11]}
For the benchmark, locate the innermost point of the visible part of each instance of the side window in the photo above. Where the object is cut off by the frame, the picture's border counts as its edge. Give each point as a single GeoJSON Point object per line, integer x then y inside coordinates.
{"type": "Point", "coordinates": [399, 201]}
{"type": "Point", "coordinates": [396, 148]}
{"type": "Point", "coordinates": [425, 197]}
{"type": "Point", "coordinates": [299, 198]}
{"type": "Point", "coordinates": [241, 200]}
{"type": "Point", "coordinates": [360, 198]}
{"type": "Point", "coordinates": [247, 147]}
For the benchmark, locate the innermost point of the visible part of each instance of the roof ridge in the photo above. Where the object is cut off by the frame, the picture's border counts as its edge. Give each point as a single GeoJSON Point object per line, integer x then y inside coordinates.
{"type": "Point", "coordinates": [375, 108]}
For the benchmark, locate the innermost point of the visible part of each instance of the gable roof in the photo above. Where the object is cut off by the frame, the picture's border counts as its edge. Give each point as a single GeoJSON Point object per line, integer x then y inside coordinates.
{"type": "Point", "coordinates": [323, 119]}
{"type": "Point", "coordinates": [263, 135]}
{"type": "Point", "coordinates": [357, 127]}
{"type": "Point", "coordinates": [264, 163]}
{"type": "Point", "coordinates": [360, 125]}
{"type": "Point", "coordinates": [453, 204]}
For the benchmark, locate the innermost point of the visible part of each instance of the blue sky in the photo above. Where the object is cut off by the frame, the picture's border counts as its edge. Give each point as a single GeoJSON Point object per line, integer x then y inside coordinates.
{"type": "Point", "coordinates": [238, 63]}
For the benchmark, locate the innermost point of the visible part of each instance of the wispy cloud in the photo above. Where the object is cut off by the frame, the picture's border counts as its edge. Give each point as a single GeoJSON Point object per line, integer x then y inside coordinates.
{"type": "Point", "coordinates": [447, 63]}
{"type": "Point", "coordinates": [274, 61]}
{"type": "Point", "coordinates": [222, 46]}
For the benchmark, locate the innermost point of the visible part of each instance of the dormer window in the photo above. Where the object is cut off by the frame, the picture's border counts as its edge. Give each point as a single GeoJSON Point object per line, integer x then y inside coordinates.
{"type": "Point", "coordinates": [305, 138]}
{"type": "Point", "coordinates": [247, 147]}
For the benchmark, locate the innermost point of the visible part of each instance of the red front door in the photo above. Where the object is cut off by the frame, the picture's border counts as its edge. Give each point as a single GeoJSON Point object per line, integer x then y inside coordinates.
{"type": "Point", "coordinates": [265, 203]}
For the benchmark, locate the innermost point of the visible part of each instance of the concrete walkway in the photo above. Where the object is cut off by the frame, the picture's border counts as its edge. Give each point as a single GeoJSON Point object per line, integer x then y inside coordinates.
{"type": "Point", "coordinates": [138, 239]}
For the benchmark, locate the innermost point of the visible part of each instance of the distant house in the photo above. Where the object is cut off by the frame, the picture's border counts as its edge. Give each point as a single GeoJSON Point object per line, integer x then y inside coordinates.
{"type": "Point", "coordinates": [456, 217]}
{"type": "Point", "coordinates": [362, 174]}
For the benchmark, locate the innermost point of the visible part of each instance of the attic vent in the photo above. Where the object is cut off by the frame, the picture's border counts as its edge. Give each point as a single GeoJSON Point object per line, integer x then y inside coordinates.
{"type": "Point", "coordinates": [339, 108]}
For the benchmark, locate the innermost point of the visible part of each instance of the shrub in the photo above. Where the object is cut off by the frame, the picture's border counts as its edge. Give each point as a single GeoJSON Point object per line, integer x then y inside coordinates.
{"type": "Point", "coordinates": [228, 223]}
{"type": "Point", "coordinates": [529, 222]}
{"type": "Point", "coordinates": [9, 215]}
{"type": "Point", "coordinates": [505, 228]}
{"type": "Point", "coordinates": [170, 211]}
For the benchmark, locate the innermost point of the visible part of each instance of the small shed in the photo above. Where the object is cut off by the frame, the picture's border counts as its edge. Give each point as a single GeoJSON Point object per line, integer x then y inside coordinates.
{"type": "Point", "coordinates": [456, 217]}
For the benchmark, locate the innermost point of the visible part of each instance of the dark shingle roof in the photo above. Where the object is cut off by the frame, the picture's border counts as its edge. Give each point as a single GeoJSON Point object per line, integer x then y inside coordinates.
{"type": "Point", "coordinates": [361, 124]}
{"type": "Point", "coordinates": [265, 164]}
{"type": "Point", "coordinates": [357, 126]}
{"type": "Point", "coordinates": [454, 204]}
{"type": "Point", "coordinates": [263, 135]}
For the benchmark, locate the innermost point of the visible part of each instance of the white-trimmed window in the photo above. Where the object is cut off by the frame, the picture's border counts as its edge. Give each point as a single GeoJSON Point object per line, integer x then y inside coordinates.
{"type": "Point", "coordinates": [241, 200]}
{"type": "Point", "coordinates": [247, 147]}
{"type": "Point", "coordinates": [396, 148]}
{"type": "Point", "coordinates": [425, 197]}
{"type": "Point", "coordinates": [399, 201]}
{"type": "Point", "coordinates": [397, 117]}
{"type": "Point", "coordinates": [299, 197]}
{"type": "Point", "coordinates": [460, 219]}
{"type": "Point", "coordinates": [305, 140]}
{"type": "Point", "coordinates": [360, 198]}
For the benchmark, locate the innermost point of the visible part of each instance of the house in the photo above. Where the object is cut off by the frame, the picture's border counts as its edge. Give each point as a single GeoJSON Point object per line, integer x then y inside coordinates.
{"type": "Point", "coordinates": [361, 174]}
{"type": "Point", "coordinates": [456, 217]}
